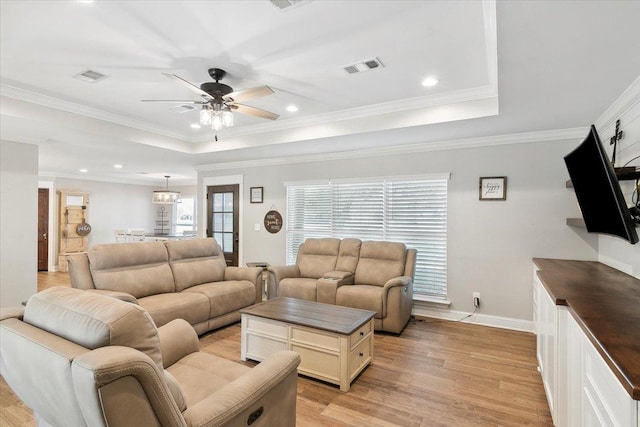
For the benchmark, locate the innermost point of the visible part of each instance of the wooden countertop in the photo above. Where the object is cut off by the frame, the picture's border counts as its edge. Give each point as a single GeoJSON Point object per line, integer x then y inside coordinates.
{"type": "Point", "coordinates": [605, 303]}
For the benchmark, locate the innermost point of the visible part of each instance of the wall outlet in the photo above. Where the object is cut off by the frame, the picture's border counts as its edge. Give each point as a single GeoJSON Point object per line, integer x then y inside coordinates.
{"type": "Point", "coordinates": [476, 299]}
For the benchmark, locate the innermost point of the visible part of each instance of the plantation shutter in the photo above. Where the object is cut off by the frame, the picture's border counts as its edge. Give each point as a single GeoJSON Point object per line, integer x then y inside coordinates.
{"type": "Point", "coordinates": [411, 210]}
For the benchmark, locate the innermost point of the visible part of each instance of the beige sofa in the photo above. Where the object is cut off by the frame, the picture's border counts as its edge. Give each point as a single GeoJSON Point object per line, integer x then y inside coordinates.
{"type": "Point", "coordinates": [375, 276]}
{"type": "Point", "coordinates": [181, 279]}
{"type": "Point", "coordinates": [82, 359]}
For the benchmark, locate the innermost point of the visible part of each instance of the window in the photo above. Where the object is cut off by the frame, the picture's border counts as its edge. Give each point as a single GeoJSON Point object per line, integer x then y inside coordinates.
{"type": "Point", "coordinates": [412, 210]}
{"type": "Point", "coordinates": [185, 215]}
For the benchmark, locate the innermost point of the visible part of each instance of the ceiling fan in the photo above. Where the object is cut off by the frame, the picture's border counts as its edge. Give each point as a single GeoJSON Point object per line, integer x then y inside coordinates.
{"type": "Point", "coordinates": [218, 99]}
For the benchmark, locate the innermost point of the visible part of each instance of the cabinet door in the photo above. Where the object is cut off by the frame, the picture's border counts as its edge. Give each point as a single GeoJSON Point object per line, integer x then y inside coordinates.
{"type": "Point", "coordinates": [546, 342]}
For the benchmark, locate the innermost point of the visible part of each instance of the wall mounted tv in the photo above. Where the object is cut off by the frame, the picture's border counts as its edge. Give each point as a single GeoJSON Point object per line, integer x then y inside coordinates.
{"type": "Point", "coordinates": [596, 186]}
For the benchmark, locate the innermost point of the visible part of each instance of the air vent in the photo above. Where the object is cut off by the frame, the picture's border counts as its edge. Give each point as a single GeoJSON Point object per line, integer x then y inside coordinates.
{"type": "Point", "coordinates": [183, 108]}
{"type": "Point", "coordinates": [365, 65]}
{"type": "Point", "coordinates": [90, 76]}
{"type": "Point", "coordinates": [284, 4]}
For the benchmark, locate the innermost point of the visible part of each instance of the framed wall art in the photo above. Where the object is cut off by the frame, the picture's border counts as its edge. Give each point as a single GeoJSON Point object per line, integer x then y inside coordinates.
{"type": "Point", "coordinates": [256, 194]}
{"type": "Point", "coordinates": [493, 188]}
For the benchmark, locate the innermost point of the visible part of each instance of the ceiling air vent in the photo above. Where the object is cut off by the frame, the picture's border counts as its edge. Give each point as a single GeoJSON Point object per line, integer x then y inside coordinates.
{"type": "Point", "coordinates": [90, 76]}
{"type": "Point", "coordinates": [182, 108]}
{"type": "Point", "coordinates": [365, 65]}
{"type": "Point", "coordinates": [284, 4]}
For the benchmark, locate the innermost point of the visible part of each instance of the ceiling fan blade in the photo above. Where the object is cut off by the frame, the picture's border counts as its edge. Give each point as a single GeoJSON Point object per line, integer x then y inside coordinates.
{"type": "Point", "coordinates": [170, 101]}
{"type": "Point", "coordinates": [246, 94]}
{"type": "Point", "coordinates": [253, 111]}
{"type": "Point", "coordinates": [188, 85]}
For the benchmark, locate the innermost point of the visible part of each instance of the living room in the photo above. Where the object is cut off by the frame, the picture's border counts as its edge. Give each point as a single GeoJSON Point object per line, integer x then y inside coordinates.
{"type": "Point", "coordinates": [543, 114]}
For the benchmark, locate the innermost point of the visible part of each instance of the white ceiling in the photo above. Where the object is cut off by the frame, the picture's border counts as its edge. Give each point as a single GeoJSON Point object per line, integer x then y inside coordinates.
{"type": "Point", "coordinates": [504, 68]}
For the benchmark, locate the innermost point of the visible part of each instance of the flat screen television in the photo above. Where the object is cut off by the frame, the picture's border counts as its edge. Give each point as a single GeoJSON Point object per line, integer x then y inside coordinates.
{"type": "Point", "coordinates": [596, 186]}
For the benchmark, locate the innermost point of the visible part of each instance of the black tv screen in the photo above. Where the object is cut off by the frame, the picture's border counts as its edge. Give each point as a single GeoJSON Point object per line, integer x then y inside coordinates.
{"type": "Point", "coordinates": [596, 186]}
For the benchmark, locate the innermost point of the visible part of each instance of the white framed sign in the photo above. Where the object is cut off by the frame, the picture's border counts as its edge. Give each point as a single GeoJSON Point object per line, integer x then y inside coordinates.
{"type": "Point", "coordinates": [493, 188]}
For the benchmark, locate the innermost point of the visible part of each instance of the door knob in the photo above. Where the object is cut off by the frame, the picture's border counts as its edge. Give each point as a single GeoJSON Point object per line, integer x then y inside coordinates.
{"type": "Point", "coordinates": [44, 236]}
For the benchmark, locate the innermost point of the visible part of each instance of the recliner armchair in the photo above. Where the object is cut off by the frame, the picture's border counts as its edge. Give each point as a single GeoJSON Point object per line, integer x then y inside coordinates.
{"type": "Point", "coordinates": [82, 359]}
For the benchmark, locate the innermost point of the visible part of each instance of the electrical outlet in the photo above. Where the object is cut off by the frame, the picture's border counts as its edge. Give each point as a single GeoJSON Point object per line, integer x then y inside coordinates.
{"type": "Point", "coordinates": [476, 299]}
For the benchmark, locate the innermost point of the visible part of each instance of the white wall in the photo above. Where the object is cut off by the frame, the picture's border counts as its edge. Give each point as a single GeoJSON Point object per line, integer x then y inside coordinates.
{"type": "Point", "coordinates": [18, 222]}
{"type": "Point", "coordinates": [113, 206]}
{"type": "Point", "coordinates": [614, 251]}
{"type": "Point", "coordinates": [490, 244]}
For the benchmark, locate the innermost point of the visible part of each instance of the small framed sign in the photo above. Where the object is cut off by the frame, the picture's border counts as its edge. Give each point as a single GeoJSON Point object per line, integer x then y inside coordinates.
{"type": "Point", "coordinates": [493, 188]}
{"type": "Point", "coordinates": [256, 194]}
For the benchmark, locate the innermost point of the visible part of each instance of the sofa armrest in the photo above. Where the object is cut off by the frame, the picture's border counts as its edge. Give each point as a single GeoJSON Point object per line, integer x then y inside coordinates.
{"type": "Point", "coordinates": [123, 296]}
{"type": "Point", "coordinates": [11, 313]}
{"type": "Point", "coordinates": [398, 281]}
{"type": "Point", "coordinates": [177, 340]}
{"type": "Point", "coordinates": [101, 377]}
{"type": "Point", "coordinates": [277, 273]}
{"type": "Point", "coordinates": [251, 274]}
{"type": "Point", "coordinates": [269, 389]}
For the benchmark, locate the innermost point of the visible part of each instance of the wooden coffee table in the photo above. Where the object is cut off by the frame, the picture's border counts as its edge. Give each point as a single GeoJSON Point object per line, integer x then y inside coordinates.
{"type": "Point", "coordinates": [335, 343]}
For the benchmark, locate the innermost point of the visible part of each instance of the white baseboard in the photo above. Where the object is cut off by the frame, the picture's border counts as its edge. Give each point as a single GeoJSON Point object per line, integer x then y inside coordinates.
{"type": "Point", "coordinates": [476, 319]}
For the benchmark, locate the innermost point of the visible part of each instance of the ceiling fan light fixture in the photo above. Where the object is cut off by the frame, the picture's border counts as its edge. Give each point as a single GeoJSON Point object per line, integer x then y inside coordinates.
{"type": "Point", "coordinates": [227, 118]}
{"type": "Point", "coordinates": [216, 122]}
{"type": "Point", "coordinates": [205, 115]}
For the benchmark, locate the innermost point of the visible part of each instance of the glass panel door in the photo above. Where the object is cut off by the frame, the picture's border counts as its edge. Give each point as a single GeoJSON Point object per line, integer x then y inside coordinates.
{"type": "Point", "coordinates": [223, 219]}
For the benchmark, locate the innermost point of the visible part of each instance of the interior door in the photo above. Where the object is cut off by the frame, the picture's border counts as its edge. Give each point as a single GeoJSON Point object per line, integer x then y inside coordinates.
{"type": "Point", "coordinates": [223, 213]}
{"type": "Point", "coordinates": [43, 229]}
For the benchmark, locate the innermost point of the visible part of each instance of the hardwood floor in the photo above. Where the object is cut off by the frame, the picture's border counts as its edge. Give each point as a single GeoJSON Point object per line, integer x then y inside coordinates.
{"type": "Point", "coordinates": [436, 373]}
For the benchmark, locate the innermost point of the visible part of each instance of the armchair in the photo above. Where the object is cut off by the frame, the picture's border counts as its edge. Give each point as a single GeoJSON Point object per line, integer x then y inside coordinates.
{"type": "Point", "coordinates": [84, 359]}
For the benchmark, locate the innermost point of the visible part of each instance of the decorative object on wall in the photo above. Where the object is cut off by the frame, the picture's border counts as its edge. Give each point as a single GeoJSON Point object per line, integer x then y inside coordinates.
{"type": "Point", "coordinates": [73, 228]}
{"type": "Point", "coordinates": [273, 221]}
{"type": "Point", "coordinates": [617, 136]}
{"type": "Point", "coordinates": [256, 194]}
{"type": "Point", "coordinates": [166, 196]}
{"type": "Point", "coordinates": [493, 188]}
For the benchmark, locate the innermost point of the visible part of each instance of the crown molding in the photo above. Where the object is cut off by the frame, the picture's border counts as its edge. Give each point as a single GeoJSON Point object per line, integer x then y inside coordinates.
{"type": "Point", "coordinates": [46, 175]}
{"type": "Point", "coordinates": [485, 141]}
{"type": "Point", "coordinates": [83, 110]}
{"type": "Point", "coordinates": [627, 100]}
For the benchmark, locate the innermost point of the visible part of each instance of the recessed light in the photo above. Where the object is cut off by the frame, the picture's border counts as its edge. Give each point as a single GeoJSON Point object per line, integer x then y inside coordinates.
{"type": "Point", "coordinates": [195, 126]}
{"type": "Point", "coordinates": [84, 170]}
{"type": "Point", "coordinates": [430, 81]}
{"type": "Point", "coordinates": [292, 108]}
{"type": "Point", "coordinates": [117, 166]}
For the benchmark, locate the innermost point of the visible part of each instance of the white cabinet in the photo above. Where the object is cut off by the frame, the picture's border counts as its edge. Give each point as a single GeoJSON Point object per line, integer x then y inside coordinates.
{"type": "Point", "coordinates": [581, 388]}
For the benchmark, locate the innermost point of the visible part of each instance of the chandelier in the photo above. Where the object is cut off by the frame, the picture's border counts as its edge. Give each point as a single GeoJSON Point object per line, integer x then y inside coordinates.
{"type": "Point", "coordinates": [166, 196]}
{"type": "Point", "coordinates": [216, 114]}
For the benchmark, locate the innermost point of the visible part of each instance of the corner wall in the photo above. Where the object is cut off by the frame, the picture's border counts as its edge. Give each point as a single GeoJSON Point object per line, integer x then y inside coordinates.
{"type": "Point", "coordinates": [18, 222]}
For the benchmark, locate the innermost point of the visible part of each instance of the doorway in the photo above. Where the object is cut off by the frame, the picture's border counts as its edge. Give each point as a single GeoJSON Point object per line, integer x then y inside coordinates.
{"type": "Point", "coordinates": [43, 229]}
{"type": "Point", "coordinates": [223, 219]}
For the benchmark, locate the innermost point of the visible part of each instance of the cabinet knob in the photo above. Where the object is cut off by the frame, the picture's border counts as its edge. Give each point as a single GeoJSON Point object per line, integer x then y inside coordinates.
{"type": "Point", "coordinates": [361, 354]}
{"type": "Point", "coordinates": [361, 334]}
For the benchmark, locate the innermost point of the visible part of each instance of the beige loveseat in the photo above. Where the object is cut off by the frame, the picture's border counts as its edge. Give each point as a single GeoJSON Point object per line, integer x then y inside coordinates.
{"type": "Point", "coordinates": [82, 359]}
{"type": "Point", "coordinates": [180, 279]}
{"type": "Point", "coordinates": [375, 276]}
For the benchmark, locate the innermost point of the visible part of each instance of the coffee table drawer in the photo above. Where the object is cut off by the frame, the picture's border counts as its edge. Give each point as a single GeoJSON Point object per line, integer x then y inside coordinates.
{"type": "Point", "coordinates": [315, 338]}
{"type": "Point", "coordinates": [318, 363]}
{"type": "Point", "coordinates": [361, 334]}
{"type": "Point", "coordinates": [359, 357]}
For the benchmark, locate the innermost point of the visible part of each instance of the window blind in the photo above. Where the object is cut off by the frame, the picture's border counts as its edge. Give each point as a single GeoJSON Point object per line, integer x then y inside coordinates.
{"type": "Point", "coordinates": [408, 210]}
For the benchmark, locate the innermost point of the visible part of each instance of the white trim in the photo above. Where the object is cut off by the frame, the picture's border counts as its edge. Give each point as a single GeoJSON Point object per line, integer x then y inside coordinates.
{"type": "Point", "coordinates": [424, 310]}
{"type": "Point", "coordinates": [52, 229]}
{"type": "Point", "coordinates": [628, 98]}
{"type": "Point", "coordinates": [84, 177]}
{"type": "Point", "coordinates": [485, 141]}
{"type": "Point", "coordinates": [223, 180]}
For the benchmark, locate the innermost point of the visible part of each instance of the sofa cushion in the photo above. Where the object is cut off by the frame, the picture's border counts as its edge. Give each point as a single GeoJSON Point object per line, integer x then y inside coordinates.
{"type": "Point", "coordinates": [139, 269]}
{"type": "Point", "coordinates": [379, 262]}
{"type": "Point", "coordinates": [317, 256]}
{"type": "Point", "coordinates": [163, 308]}
{"type": "Point", "coordinates": [365, 297]}
{"type": "Point", "coordinates": [225, 296]}
{"type": "Point", "coordinates": [194, 262]}
{"type": "Point", "coordinates": [92, 320]}
{"type": "Point", "coordinates": [300, 288]}
{"type": "Point", "coordinates": [348, 255]}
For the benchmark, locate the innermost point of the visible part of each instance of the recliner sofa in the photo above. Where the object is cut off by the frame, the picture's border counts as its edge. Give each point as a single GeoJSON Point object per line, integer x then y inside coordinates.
{"type": "Point", "coordinates": [369, 275]}
{"type": "Point", "coordinates": [78, 358]}
{"type": "Point", "coordinates": [179, 279]}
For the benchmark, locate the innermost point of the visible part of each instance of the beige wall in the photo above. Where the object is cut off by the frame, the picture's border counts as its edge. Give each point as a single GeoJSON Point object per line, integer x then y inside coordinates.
{"type": "Point", "coordinates": [18, 222]}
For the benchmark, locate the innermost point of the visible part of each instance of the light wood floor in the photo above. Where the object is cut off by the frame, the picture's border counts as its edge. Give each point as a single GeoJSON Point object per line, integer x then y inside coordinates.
{"type": "Point", "coordinates": [434, 374]}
